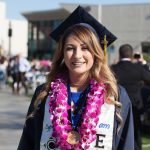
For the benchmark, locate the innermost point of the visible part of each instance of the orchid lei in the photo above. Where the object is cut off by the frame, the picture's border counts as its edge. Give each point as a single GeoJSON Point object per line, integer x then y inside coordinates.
{"type": "Point", "coordinates": [59, 114]}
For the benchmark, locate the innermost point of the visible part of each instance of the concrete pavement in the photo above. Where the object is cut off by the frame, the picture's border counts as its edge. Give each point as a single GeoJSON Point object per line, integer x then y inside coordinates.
{"type": "Point", "coordinates": [13, 109]}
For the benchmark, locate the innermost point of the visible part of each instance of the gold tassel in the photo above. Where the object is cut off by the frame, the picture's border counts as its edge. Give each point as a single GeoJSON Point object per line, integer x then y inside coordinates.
{"type": "Point", "coordinates": [105, 42]}
{"type": "Point", "coordinates": [105, 45]}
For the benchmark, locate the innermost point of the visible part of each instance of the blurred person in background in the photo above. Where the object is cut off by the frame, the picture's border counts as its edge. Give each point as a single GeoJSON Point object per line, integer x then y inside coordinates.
{"type": "Point", "coordinates": [145, 91]}
{"type": "Point", "coordinates": [138, 58]}
{"type": "Point", "coordinates": [13, 72]}
{"type": "Point", "coordinates": [78, 107]}
{"type": "Point", "coordinates": [3, 72]}
{"type": "Point", "coordinates": [17, 68]}
{"type": "Point", "coordinates": [24, 67]}
{"type": "Point", "coordinates": [130, 75]}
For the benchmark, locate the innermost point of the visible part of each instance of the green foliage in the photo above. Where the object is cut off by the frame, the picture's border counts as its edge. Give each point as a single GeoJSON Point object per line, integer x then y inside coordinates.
{"type": "Point", "coordinates": [147, 57]}
{"type": "Point", "coordinates": [146, 138]}
{"type": "Point", "coordinates": [145, 148]}
{"type": "Point", "coordinates": [145, 141]}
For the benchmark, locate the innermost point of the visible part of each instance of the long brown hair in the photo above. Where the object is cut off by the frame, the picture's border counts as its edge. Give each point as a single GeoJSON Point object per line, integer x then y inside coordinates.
{"type": "Point", "coordinates": [100, 71]}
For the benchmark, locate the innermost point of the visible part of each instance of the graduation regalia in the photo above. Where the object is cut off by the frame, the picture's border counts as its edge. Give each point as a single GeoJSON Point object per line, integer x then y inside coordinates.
{"type": "Point", "coordinates": [107, 137]}
{"type": "Point", "coordinates": [124, 140]}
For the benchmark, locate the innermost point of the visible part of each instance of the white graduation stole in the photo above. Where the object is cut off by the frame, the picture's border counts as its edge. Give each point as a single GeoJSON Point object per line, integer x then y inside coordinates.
{"type": "Point", "coordinates": [104, 129]}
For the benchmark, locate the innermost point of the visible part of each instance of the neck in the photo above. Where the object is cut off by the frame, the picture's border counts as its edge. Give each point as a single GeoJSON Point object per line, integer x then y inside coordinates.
{"type": "Point", "coordinates": [78, 83]}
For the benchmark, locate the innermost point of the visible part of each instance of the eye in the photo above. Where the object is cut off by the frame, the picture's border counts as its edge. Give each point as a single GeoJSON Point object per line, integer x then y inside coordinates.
{"type": "Point", "coordinates": [69, 48]}
{"type": "Point", "coordinates": [85, 48]}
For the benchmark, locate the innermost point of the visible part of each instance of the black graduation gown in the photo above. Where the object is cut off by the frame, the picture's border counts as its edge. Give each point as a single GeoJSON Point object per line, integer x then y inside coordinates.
{"type": "Point", "coordinates": [124, 140]}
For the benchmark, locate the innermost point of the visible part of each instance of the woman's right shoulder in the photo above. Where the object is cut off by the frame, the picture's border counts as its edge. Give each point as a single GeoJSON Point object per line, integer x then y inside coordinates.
{"type": "Point", "coordinates": [37, 91]}
{"type": "Point", "coordinates": [39, 88]}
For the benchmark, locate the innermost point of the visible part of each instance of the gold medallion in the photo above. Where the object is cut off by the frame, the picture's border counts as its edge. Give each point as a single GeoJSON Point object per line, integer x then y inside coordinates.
{"type": "Point", "coordinates": [73, 137]}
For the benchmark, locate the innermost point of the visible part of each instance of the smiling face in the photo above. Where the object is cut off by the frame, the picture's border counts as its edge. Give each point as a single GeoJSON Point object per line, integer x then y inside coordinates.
{"type": "Point", "coordinates": [78, 58]}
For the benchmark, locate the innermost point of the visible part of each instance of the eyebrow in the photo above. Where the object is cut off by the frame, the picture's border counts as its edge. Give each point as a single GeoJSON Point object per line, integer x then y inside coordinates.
{"type": "Point", "coordinates": [68, 44]}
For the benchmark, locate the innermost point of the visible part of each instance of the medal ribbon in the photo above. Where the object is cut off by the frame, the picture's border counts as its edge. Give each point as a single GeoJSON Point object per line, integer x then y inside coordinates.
{"type": "Point", "coordinates": [75, 117]}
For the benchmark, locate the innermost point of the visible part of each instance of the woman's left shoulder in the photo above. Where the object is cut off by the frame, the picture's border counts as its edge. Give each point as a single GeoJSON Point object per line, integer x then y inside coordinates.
{"type": "Point", "coordinates": [123, 96]}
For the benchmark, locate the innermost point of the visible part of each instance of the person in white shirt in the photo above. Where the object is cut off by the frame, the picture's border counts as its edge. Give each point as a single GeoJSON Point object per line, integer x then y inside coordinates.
{"type": "Point", "coordinates": [24, 67]}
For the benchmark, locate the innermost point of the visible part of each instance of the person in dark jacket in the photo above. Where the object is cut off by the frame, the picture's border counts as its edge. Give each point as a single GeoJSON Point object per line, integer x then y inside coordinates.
{"type": "Point", "coordinates": [130, 76]}
{"type": "Point", "coordinates": [80, 106]}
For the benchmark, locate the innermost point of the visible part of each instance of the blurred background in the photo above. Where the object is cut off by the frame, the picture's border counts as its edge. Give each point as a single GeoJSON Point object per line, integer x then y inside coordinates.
{"type": "Point", "coordinates": [24, 30]}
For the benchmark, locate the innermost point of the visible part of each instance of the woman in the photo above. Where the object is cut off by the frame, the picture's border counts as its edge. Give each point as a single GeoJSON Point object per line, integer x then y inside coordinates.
{"type": "Point", "coordinates": [78, 107]}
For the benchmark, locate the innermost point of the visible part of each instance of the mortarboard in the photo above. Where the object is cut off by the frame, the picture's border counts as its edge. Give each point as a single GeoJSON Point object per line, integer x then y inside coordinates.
{"type": "Point", "coordinates": [79, 15]}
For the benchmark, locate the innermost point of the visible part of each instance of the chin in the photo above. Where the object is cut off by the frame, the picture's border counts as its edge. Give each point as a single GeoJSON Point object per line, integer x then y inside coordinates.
{"type": "Point", "coordinates": [78, 72]}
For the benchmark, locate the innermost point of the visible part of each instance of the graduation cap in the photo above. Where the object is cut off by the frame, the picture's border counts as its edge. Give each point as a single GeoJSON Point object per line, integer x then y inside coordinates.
{"type": "Point", "coordinates": [79, 16]}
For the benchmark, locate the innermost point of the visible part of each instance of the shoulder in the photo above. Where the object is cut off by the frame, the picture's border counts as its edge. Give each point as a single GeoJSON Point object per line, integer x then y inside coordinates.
{"type": "Point", "coordinates": [125, 137]}
{"type": "Point", "coordinates": [123, 97]}
{"type": "Point", "coordinates": [116, 66]}
{"type": "Point", "coordinates": [39, 88]}
{"type": "Point", "coordinates": [139, 66]}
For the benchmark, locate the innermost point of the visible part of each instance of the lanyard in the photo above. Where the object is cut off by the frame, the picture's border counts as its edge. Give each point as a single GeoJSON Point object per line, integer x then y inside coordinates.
{"type": "Point", "coordinates": [76, 115]}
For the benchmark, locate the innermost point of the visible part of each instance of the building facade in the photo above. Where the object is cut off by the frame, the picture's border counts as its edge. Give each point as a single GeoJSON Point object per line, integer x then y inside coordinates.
{"type": "Point", "coordinates": [130, 23]}
{"type": "Point", "coordinates": [15, 41]}
{"type": "Point", "coordinates": [40, 24]}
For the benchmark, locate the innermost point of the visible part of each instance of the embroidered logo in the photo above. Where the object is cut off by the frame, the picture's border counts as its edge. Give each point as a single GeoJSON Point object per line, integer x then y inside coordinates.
{"type": "Point", "coordinates": [104, 126]}
{"type": "Point", "coordinates": [50, 145]}
{"type": "Point", "coordinates": [48, 127]}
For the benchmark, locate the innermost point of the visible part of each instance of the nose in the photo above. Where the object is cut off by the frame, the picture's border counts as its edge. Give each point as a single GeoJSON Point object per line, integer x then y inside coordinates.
{"type": "Point", "coordinates": [78, 53]}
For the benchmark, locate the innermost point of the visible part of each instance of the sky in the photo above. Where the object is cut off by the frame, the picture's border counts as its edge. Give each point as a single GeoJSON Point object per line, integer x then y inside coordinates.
{"type": "Point", "coordinates": [14, 8]}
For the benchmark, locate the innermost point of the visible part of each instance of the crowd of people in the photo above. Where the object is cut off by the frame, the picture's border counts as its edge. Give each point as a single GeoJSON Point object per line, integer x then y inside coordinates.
{"type": "Point", "coordinates": [20, 73]}
{"type": "Point", "coordinates": [3, 71]}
